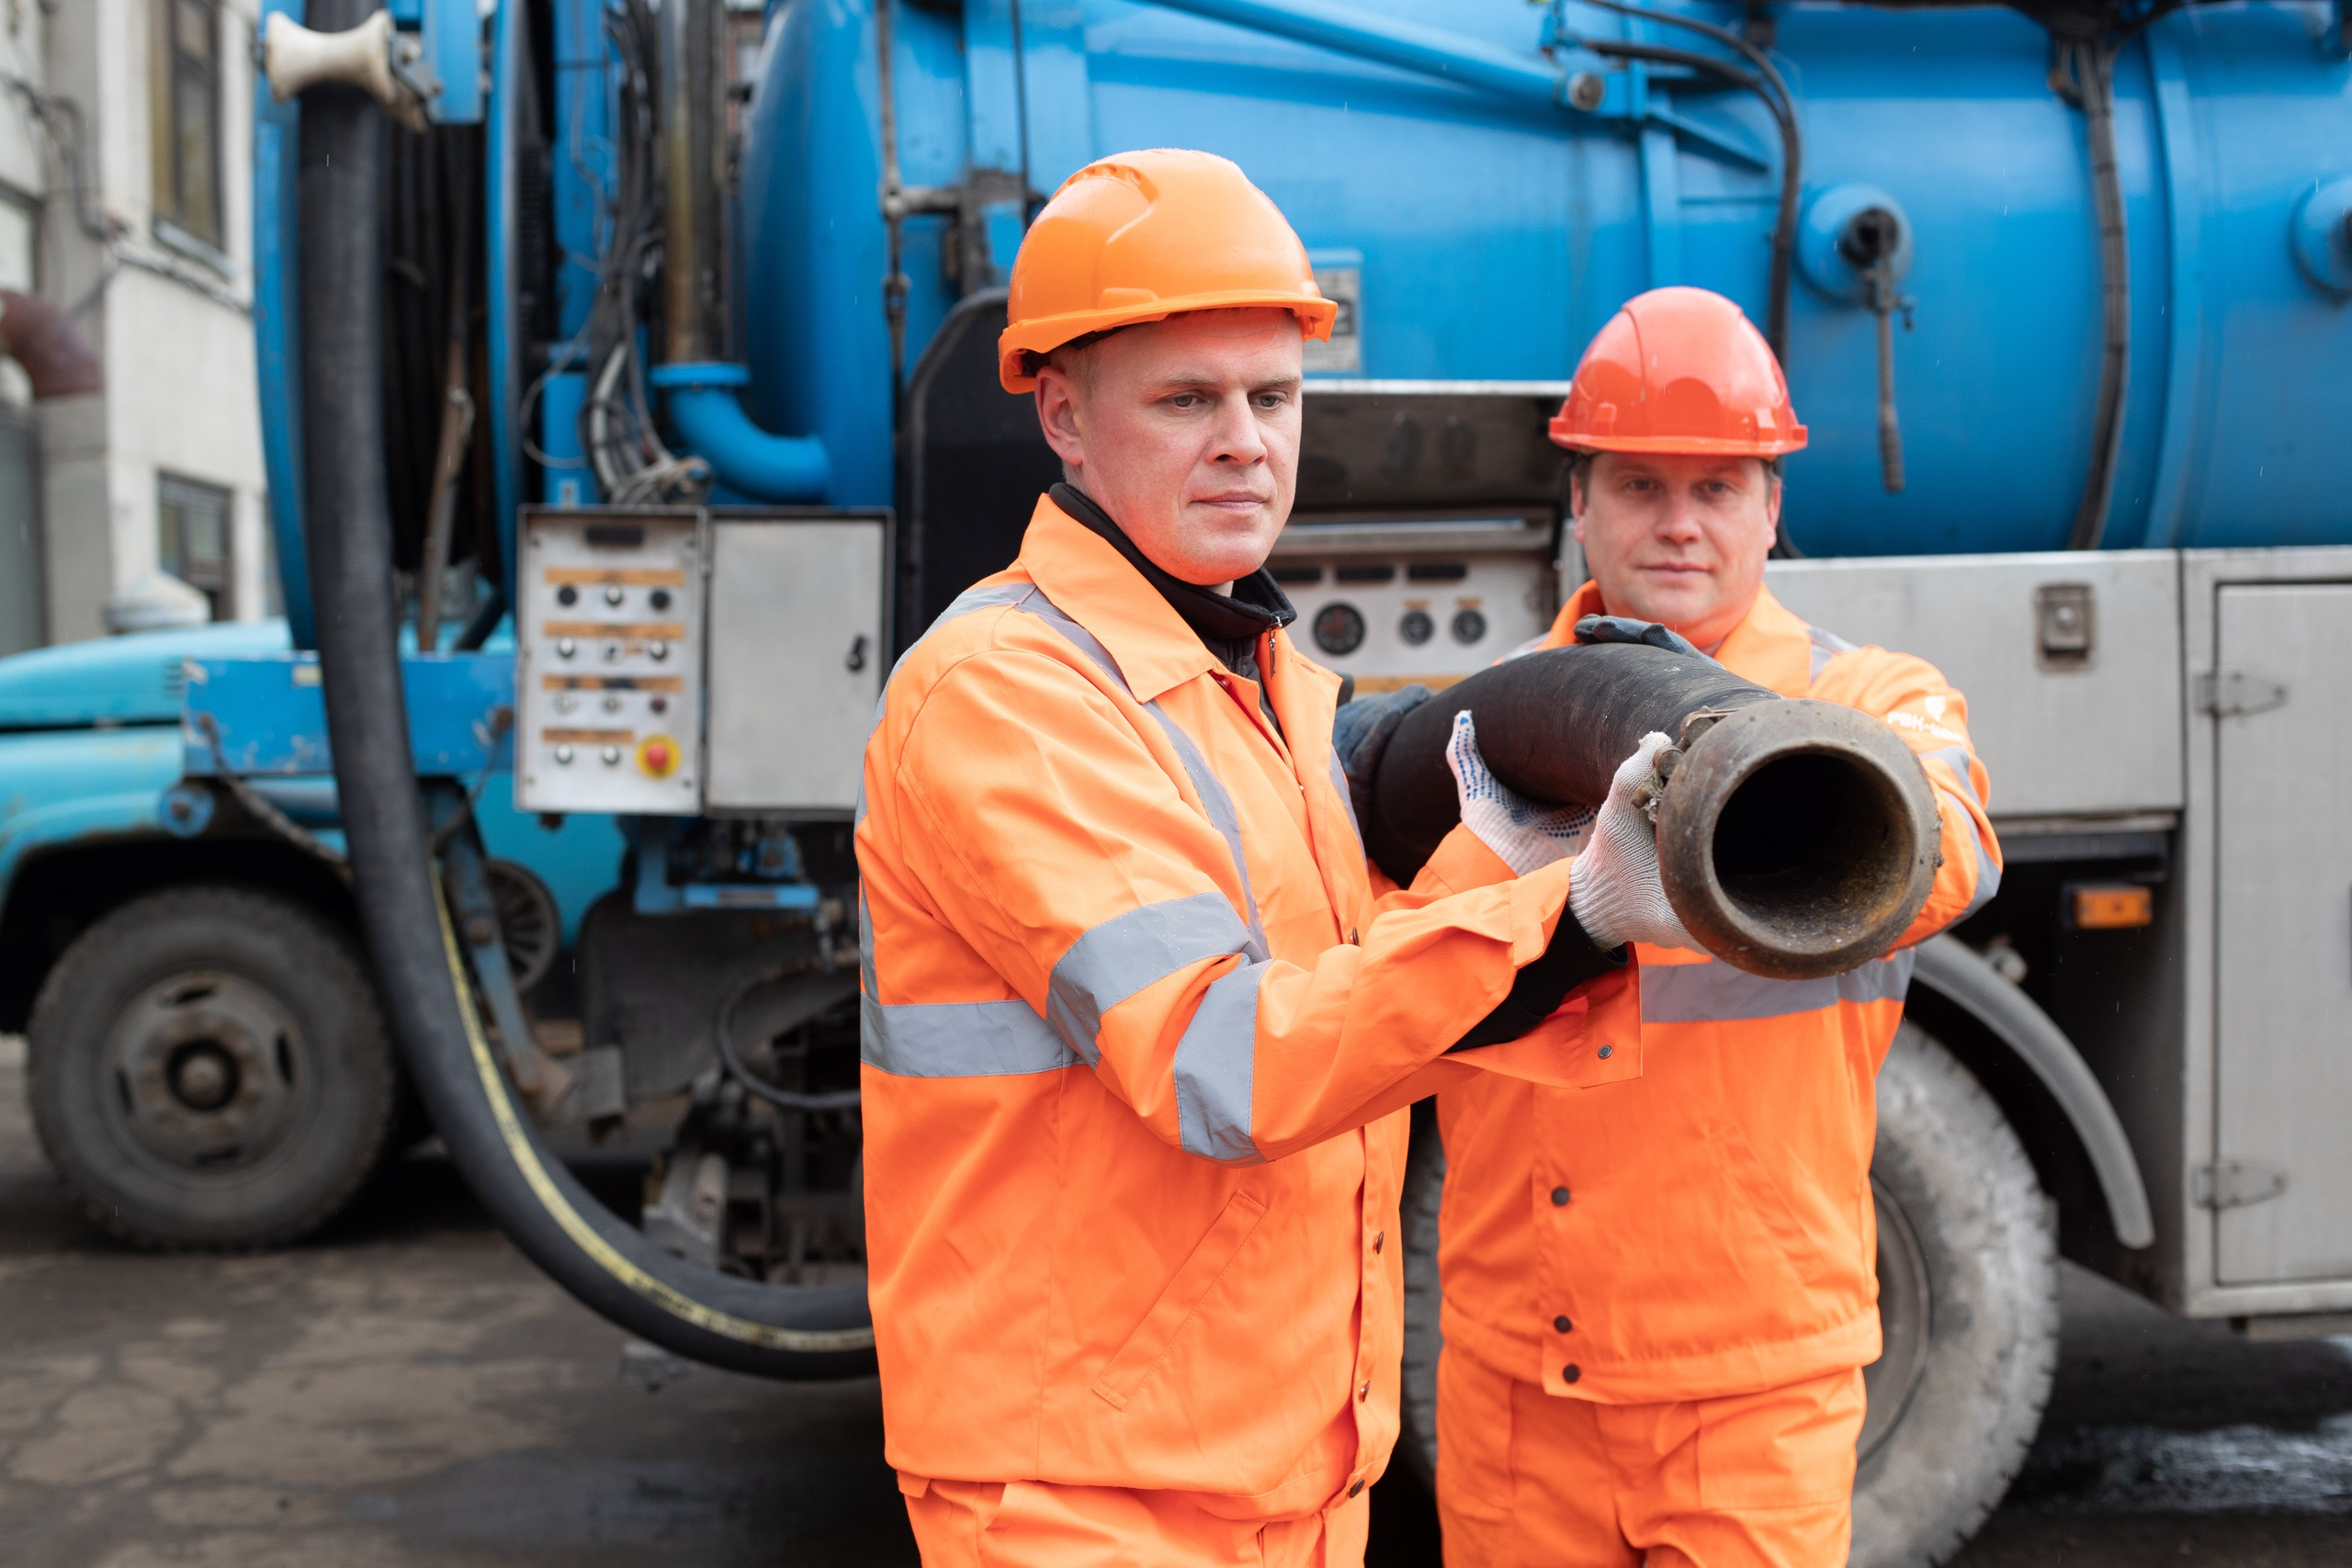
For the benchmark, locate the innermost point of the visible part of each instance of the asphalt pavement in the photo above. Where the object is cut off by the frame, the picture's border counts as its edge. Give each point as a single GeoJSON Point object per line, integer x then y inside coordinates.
{"type": "Point", "coordinates": [405, 1390]}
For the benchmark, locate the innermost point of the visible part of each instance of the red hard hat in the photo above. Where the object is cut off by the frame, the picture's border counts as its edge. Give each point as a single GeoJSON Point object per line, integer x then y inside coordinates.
{"type": "Point", "coordinates": [1141, 236]}
{"type": "Point", "coordinates": [1678, 370]}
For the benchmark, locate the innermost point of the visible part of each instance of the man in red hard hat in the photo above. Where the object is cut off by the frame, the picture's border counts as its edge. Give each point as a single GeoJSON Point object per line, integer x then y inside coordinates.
{"type": "Point", "coordinates": [1659, 1291]}
{"type": "Point", "coordinates": [1137, 1025]}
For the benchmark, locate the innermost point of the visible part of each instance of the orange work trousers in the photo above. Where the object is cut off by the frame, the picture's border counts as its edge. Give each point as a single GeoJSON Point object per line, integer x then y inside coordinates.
{"type": "Point", "coordinates": [1752, 1481]}
{"type": "Point", "coordinates": [1030, 1524]}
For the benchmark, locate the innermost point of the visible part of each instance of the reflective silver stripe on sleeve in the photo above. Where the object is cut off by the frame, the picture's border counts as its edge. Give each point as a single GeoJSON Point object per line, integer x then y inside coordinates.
{"type": "Point", "coordinates": [866, 940]}
{"type": "Point", "coordinates": [1215, 1068]}
{"type": "Point", "coordinates": [1988, 870]}
{"type": "Point", "coordinates": [958, 1040]}
{"type": "Point", "coordinates": [1128, 952]}
{"type": "Point", "coordinates": [1717, 993]}
{"type": "Point", "coordinates": [1826, 645]}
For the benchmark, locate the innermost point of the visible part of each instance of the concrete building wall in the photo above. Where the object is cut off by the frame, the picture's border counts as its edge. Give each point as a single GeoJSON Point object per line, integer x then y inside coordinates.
{"type": "Point", "coordinates": [169, 316]}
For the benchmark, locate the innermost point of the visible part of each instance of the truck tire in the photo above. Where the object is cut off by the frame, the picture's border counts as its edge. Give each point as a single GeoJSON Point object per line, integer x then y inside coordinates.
{"type": "Point", "coordinates": [1968, 1295]}
{"type": "Point", "coordinates": [208, 1067]}
{"type": "Point", "coordinates": [1968, 1298]}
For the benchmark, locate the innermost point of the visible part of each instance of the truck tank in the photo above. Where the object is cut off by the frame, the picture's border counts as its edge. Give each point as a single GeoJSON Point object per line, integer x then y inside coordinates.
{"type": "Point", "coordinates": [1483, 203]}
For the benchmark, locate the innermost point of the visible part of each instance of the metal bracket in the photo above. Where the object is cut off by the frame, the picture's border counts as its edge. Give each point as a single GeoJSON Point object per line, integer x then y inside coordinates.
{"type": "Point", "coordinates": [1636, 95]}
{"type": "Point", "coordinates": [2234, 1183]}
{"type": "Point", "coordinates": [2226, 693]}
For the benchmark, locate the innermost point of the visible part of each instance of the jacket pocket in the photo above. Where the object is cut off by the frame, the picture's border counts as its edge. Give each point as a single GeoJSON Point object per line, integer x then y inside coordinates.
{"type": "Point", "coordinates": [1179, 1299]}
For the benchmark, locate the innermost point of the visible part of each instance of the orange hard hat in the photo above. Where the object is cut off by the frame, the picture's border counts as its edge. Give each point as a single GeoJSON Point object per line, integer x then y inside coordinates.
{"type": "Point", "coordinates": [1140, 236]}
{"type": "Point", "coordinates": [1680, 371]}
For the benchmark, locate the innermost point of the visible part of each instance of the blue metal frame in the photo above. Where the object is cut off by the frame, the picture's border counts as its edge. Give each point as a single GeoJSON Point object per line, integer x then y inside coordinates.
{"type": "Point", "coordinates": [251, 717]}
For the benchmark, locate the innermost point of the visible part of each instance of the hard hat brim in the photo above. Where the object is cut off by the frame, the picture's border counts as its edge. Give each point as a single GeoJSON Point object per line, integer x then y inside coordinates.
{"type": "Point", "coordinates": [1686, 446]}
{"type": "Point", "coordinates": [1048, 333]}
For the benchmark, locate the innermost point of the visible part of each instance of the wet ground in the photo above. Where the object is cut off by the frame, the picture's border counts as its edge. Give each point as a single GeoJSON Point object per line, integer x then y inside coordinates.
{"type": "Point", "coordinates": [405, 1390]}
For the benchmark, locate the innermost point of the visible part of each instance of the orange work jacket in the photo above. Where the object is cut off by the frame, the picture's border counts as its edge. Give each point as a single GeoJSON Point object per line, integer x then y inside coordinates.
{"type": "Point", "coordinates": [1136, 1028]}
{"type": "Point", "coordinates": [1705, 1228]}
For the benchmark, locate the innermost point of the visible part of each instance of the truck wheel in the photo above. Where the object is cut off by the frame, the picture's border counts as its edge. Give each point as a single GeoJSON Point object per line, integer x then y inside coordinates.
{"type": "Point", "coordinates": [1968, 1297]}
{"type": "Point", "coordinates": [1968, 1304]}
{"type": "Point", "coordinates": [208, 1067]}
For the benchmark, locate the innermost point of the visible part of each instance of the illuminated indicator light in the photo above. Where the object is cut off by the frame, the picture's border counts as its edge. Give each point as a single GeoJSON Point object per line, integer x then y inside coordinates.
{"type": "Point", "coordinates": [611, 756]}
{"type": "Point", "coordinates": [658, 756]}
{"type": "Point", "coordinates": [2113, 908]}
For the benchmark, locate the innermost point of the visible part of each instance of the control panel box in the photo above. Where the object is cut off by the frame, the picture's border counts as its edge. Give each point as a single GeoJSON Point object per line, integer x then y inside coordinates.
{"type": "Point", "coordinates": [798, 647]}
{"type": "Point", "coordinates": [1426, 597]}
{"type": "Point", "coordinates": [608, 621]}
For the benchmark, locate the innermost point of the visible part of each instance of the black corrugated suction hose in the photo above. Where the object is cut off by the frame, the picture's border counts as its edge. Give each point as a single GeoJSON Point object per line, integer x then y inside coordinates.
{"type": "Point", "coordinates": [609, 1265]}
{"type": "Point", "coordinates": [1795, 838]}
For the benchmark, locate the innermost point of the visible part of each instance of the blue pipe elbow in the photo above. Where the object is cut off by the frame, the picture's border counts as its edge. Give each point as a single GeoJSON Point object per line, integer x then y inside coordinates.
{"type": "Point", "coordinates": [709, 416]}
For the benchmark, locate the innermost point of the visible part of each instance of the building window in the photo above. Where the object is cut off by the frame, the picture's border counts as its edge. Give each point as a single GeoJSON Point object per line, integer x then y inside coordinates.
{"type": "Point", "coordinates": [186, 115]}
{"type": "Point", "coordinates": [192, 537]}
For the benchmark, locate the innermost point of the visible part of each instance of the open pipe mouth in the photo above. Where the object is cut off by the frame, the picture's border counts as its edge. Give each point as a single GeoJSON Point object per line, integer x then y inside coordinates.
{"type": "Point", "coordinates": [1798, 839]}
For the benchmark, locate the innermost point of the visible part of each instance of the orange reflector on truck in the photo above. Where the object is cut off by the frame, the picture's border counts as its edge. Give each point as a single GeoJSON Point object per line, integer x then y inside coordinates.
{"type": "Point", "coordinates": [2113, 908]}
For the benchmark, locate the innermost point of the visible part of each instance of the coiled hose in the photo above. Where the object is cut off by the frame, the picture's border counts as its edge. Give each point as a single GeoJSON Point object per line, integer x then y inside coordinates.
{"type": "Point", "coordinates": [775, 1331]}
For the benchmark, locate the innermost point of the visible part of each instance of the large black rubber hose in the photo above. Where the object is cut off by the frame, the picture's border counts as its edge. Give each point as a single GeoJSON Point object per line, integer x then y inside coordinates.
{"type": "Point", "coordinates": [608, 1264]}
{"type": "Point", "coordinates": [1551, 726]}
{"type": "Point", "coordinates": [1795, 838]}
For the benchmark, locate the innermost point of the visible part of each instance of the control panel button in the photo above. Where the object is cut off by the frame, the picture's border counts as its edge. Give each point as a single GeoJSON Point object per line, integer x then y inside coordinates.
{"type": "Point", "coordinates": [565, 648]}
{"type": "Point", "coordinates": [565, 702]}
{"type": "Point", "coordinates": [658, 756]}
{"type": "Point", "coordinates": [657, 650]}
{"type": "Point", "coordinates": [613, 596]}
{"type": "Point", "coordinates": [612, 653]}
{"type": "Point", "coordinates": [612, 755]}
{"type": "Point", "coordinates": [563, 755]}
{"type": "Point", "coordinates": [659, 598]}
{"type": "Point", "coordinates": [567, 596]}
{"type": "Point", "coordinates": [612, 703]}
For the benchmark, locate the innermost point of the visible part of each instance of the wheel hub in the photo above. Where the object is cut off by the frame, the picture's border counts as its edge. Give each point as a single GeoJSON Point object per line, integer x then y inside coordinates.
{"type": "Point", "coordinates": [203, 1076]}
{"type": "Point", "coordinates": [204, 1073]}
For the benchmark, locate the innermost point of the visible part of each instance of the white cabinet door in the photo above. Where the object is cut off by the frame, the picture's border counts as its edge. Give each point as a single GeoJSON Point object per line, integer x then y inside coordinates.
{"type": "Point", "coordinates": [2284, 938]}
{"type": "Point", "coordinates": [797, 655]}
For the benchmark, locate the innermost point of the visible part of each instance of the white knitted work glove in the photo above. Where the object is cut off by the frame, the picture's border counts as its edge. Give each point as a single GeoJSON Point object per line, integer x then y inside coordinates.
{"type": "Point", "coordinates": [1523, 834]}
{"type": "Point", "coordinates": [1614, 890]}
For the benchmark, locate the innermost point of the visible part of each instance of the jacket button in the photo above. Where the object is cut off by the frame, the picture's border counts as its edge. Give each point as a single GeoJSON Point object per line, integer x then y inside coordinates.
{"type": "Point", "coordinates": [1561, 1325]}
{"type": "Point", "coordinates": [1571, 1373]}
{"type": "Point", "coordinates": [1559, 1196]}
{"type": "Point", "coordinates": [1363, 1391]}
{"type": "Point", "coordinates": [1606, 1052]}
{"type": "Point", "coordinates": [1355, 1486]}
{"type": "Point", "coordinates": [1377, 1238]}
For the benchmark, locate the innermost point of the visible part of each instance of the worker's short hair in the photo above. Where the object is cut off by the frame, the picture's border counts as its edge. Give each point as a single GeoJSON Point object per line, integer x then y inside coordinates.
{"type": "Point", "coordinates": [1580, 467]}
{"type": "Point", "coordinates": [1064, 357]}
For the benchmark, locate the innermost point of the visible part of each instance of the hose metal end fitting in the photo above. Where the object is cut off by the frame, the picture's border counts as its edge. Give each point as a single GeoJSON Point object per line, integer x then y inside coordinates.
{"type": "Point", "coordinates": [1796, 839]}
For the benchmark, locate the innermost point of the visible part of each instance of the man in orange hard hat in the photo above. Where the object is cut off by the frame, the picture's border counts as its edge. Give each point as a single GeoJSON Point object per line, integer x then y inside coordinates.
{"type": "Point", "coordinates": [1659, 1292]}
{"type": "Point", "coordinates": [1137, 1023]}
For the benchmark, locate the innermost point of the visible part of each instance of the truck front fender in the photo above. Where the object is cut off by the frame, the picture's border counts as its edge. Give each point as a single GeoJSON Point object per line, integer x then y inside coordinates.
{"type": "Point", "coordinates": [65, 786]}
{"type": "Point", "coordinates": [1954, 971]}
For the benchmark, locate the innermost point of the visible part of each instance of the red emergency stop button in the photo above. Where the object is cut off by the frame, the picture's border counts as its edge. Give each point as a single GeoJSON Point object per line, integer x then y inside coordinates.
{"type": "Point", "coordinates": [657, 756]}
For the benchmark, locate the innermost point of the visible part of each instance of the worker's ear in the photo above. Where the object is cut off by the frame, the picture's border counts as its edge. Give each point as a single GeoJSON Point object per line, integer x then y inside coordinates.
{"type": "Point", "coordinates": [1058, 414]}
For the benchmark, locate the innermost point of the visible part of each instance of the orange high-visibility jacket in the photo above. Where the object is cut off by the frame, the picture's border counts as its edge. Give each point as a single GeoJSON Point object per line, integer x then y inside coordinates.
{"type": "Point", "coordinates": [1135, 1025]}
{"type": "Point", "coordinates": [1706, 1228]}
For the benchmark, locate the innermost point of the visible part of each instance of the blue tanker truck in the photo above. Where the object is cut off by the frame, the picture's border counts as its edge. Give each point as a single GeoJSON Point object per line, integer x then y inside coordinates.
{"type": "Point", "coordinates": [703, 322]}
